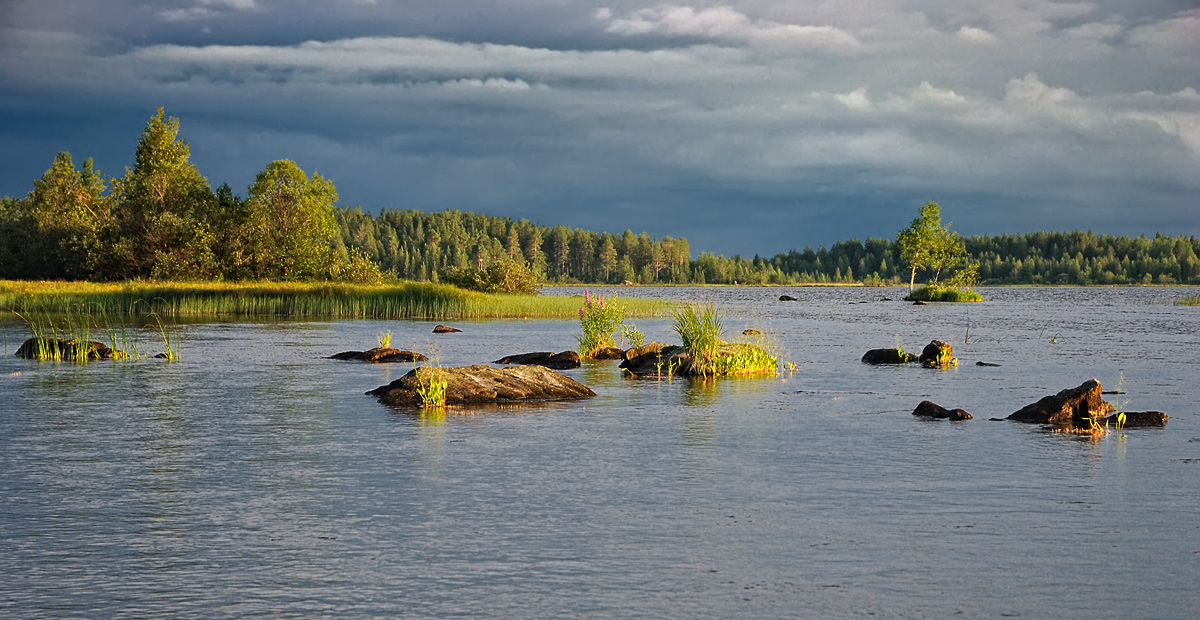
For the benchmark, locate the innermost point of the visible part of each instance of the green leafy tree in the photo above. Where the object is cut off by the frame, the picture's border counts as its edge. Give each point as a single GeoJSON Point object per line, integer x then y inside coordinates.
{"type": "Point", "coordinates": [926, 244]}
{"type": "Point", "coordinates": [162, 209]}
{"type": "Point", "coordinates": [71, 215]}
{"type": "Point", "coordinates": [291, 223]}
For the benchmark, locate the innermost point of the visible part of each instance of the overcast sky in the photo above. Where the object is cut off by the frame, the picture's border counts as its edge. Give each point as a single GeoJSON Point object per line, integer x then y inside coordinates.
{"type": "Point", "coordinates": [748, 127]}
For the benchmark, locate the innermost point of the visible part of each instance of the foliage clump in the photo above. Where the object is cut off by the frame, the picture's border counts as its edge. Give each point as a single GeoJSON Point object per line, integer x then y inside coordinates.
{"type": "Point", "coordinates": [502, 276]}
{"type": "Point", "coordinates": [603, 323]}
{"type": "Point", "coordinates": [700, 327]}
{"type": "Point", "coordinates": [940, 292]}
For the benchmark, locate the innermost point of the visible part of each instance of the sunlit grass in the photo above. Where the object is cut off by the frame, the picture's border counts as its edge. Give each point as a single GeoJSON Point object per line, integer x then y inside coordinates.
{"type": "Point", "coordinates": [936, 292]}
{"type": "Point", "coordinates": [406, 300]}
{"type": "Point", "coordinates": [1190, 300]}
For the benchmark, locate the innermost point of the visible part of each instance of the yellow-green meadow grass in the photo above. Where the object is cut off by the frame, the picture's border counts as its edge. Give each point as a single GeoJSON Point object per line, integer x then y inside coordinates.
{"type": "Point", "coordinates": [404, 300]}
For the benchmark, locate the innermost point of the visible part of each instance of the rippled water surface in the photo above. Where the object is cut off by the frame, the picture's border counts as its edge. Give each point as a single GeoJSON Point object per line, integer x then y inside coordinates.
{"type": "Point", "coordinates": [254, 478]}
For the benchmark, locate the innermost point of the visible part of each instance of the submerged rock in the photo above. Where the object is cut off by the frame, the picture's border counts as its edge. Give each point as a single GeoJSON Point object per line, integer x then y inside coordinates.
{"type": "Point", "coordinates": [442, 329]}
{"type": "Point", "coordinates": [1069, 407]}
{"type": "Point", "coordinates": [560, 361]}
{"type": "Point", "coordinates": [57, 348]}
{"type": "Point", "coordinates": [751, 332]}
{"type": "Point", "coordinates": [787, 298]}
{"type": "Point", "coordinates": [937, 354]}
{"type": "Point", "coordinates": [481, 385]}
{"type": "Point", "coordinates": [1138, 419]}
{"type": "Point", "coordinates": [915, 303]}
{"type": "Point", "coordinates": [928, 409]}
{"type": "Point", "coordinates": [989, 364]}
{"type": "Point", "coordinates": [380, 355]}
{"type": "Point", "coordinates": [887, 356]}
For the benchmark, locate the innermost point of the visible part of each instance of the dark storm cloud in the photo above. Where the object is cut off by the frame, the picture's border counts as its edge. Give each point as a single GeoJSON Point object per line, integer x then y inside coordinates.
{"type": "Point", "coordinates": [748, 127]}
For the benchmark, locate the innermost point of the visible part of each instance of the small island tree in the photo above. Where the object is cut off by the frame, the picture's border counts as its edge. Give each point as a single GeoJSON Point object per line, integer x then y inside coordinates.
{"type": "Point", "coordinates": [927, 244]}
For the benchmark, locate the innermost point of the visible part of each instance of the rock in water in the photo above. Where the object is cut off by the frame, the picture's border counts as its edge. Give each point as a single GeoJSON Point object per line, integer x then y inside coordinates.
{"type": "Point", "coordinates": [787, 298]}
{"type": "Point", "coordinates": [559, 361]}
{"type": "Point", "coordinates": [887, 356]}
{"type": "Point", "coordinates": [380, 355]}
{"type": "Point", "coordinates": [1067, 408]}
{"type": "Point", "coordinates": [937, 354]}
{"type": "Point", "coordinates": [608, 353]}
{"type": "Point", "coordinates": [928, 409]}
{"type": "Point", "coordinates": [55, 348]}
{"type": "Point", "coordinates": [482, 385]}
{"type": "Point", "coordinates": [1138, 419]}
{"type": "Point", "coordinates": [442, 329]}
{"type": "Point", "coordinates": [655, 358]}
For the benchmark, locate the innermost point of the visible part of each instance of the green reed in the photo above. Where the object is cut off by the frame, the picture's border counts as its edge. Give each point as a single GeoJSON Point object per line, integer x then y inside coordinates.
{"type": "Point", "coordinates": [407, 300]}
{"type": "Point", "coordinates": [699, 327]}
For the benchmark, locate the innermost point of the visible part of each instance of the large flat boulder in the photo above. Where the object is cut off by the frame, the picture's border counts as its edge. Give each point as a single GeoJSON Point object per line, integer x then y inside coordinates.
{"type": "Point", "coordinates": [558, 361]}
{"type": "Point", "coordinates": [482, 385]}
{"type": "Point", "coordinates": [380, 355]}
{"type": "Point", "coordinates": [1069, 407]}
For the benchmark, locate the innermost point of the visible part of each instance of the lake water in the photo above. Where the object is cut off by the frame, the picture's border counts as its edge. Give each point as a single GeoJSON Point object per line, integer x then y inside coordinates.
{"type": "Point", "coordinates": [252, 477]}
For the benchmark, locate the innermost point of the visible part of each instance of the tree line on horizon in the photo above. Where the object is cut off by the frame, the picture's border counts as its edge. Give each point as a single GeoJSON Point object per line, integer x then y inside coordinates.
{"type": "Point", "coordinates": [162, 220]}
{"type": "Point", "coordinates": [419, 246]}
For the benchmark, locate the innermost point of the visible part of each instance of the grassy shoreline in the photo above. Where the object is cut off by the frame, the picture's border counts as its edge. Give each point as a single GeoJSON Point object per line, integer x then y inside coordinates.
{"type": "Point", "coordinates": [405, 300]}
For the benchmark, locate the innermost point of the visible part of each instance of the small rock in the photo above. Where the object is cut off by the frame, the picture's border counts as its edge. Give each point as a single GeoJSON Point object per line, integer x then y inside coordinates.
{"type": "Point", "coordinates": [751, 332]}
{"type": "Point", "coordinates": [1138, 419]}
{"type": "Point", "coordinates": [442, 329]}
{"type": "Point", "coordinates": [608, 353]}
{"type": "Point", "coordinates": [1069, 407]}
{"type": "Point", "coordinates": [928, 409]}
{"type": "Point", "coordinates": [887, 356]}
{"type": "Point", "coordinates": [937, 354]}
{"type": "Point", "coordinates": [636, 352]}
{"type": "Point", "coordinates": [558, 361]}
{"type": "Point", "coordinates": [995, 419]}
{"type": "Point", "coordinates": [787, 298]}
{"type": "Point", "coordinates": [987, 364]}
{"type": "Point", "coordinates": [655, 359]}
{"type": "Point", "coordinates": [918, 303]}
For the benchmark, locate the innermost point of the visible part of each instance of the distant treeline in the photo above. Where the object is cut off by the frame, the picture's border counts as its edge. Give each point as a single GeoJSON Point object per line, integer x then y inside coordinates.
{"type": "Point", "coordinates": [420, 246]}
{"type": "Point", "coordinates": [162, 220]}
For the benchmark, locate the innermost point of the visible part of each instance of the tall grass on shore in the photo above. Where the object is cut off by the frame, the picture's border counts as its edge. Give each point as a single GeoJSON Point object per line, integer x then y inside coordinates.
{"type": "Point", "coordinates": [407, 300]}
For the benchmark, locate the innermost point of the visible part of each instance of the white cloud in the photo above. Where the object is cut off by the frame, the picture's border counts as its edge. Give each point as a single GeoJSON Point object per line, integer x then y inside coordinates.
{"type": "Point", "coordinates": [726, 23]}
{"type": "Point", "coordinates": [975, 35]}
{"type": "Point", "coordinates": [856, 99]}
{"type": "Point", "coordinates": [204, 9]}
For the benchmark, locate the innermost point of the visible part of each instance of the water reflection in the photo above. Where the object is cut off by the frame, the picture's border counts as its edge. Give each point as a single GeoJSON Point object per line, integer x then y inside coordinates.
{"type": "Point", "coordinates": [254, 477]}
